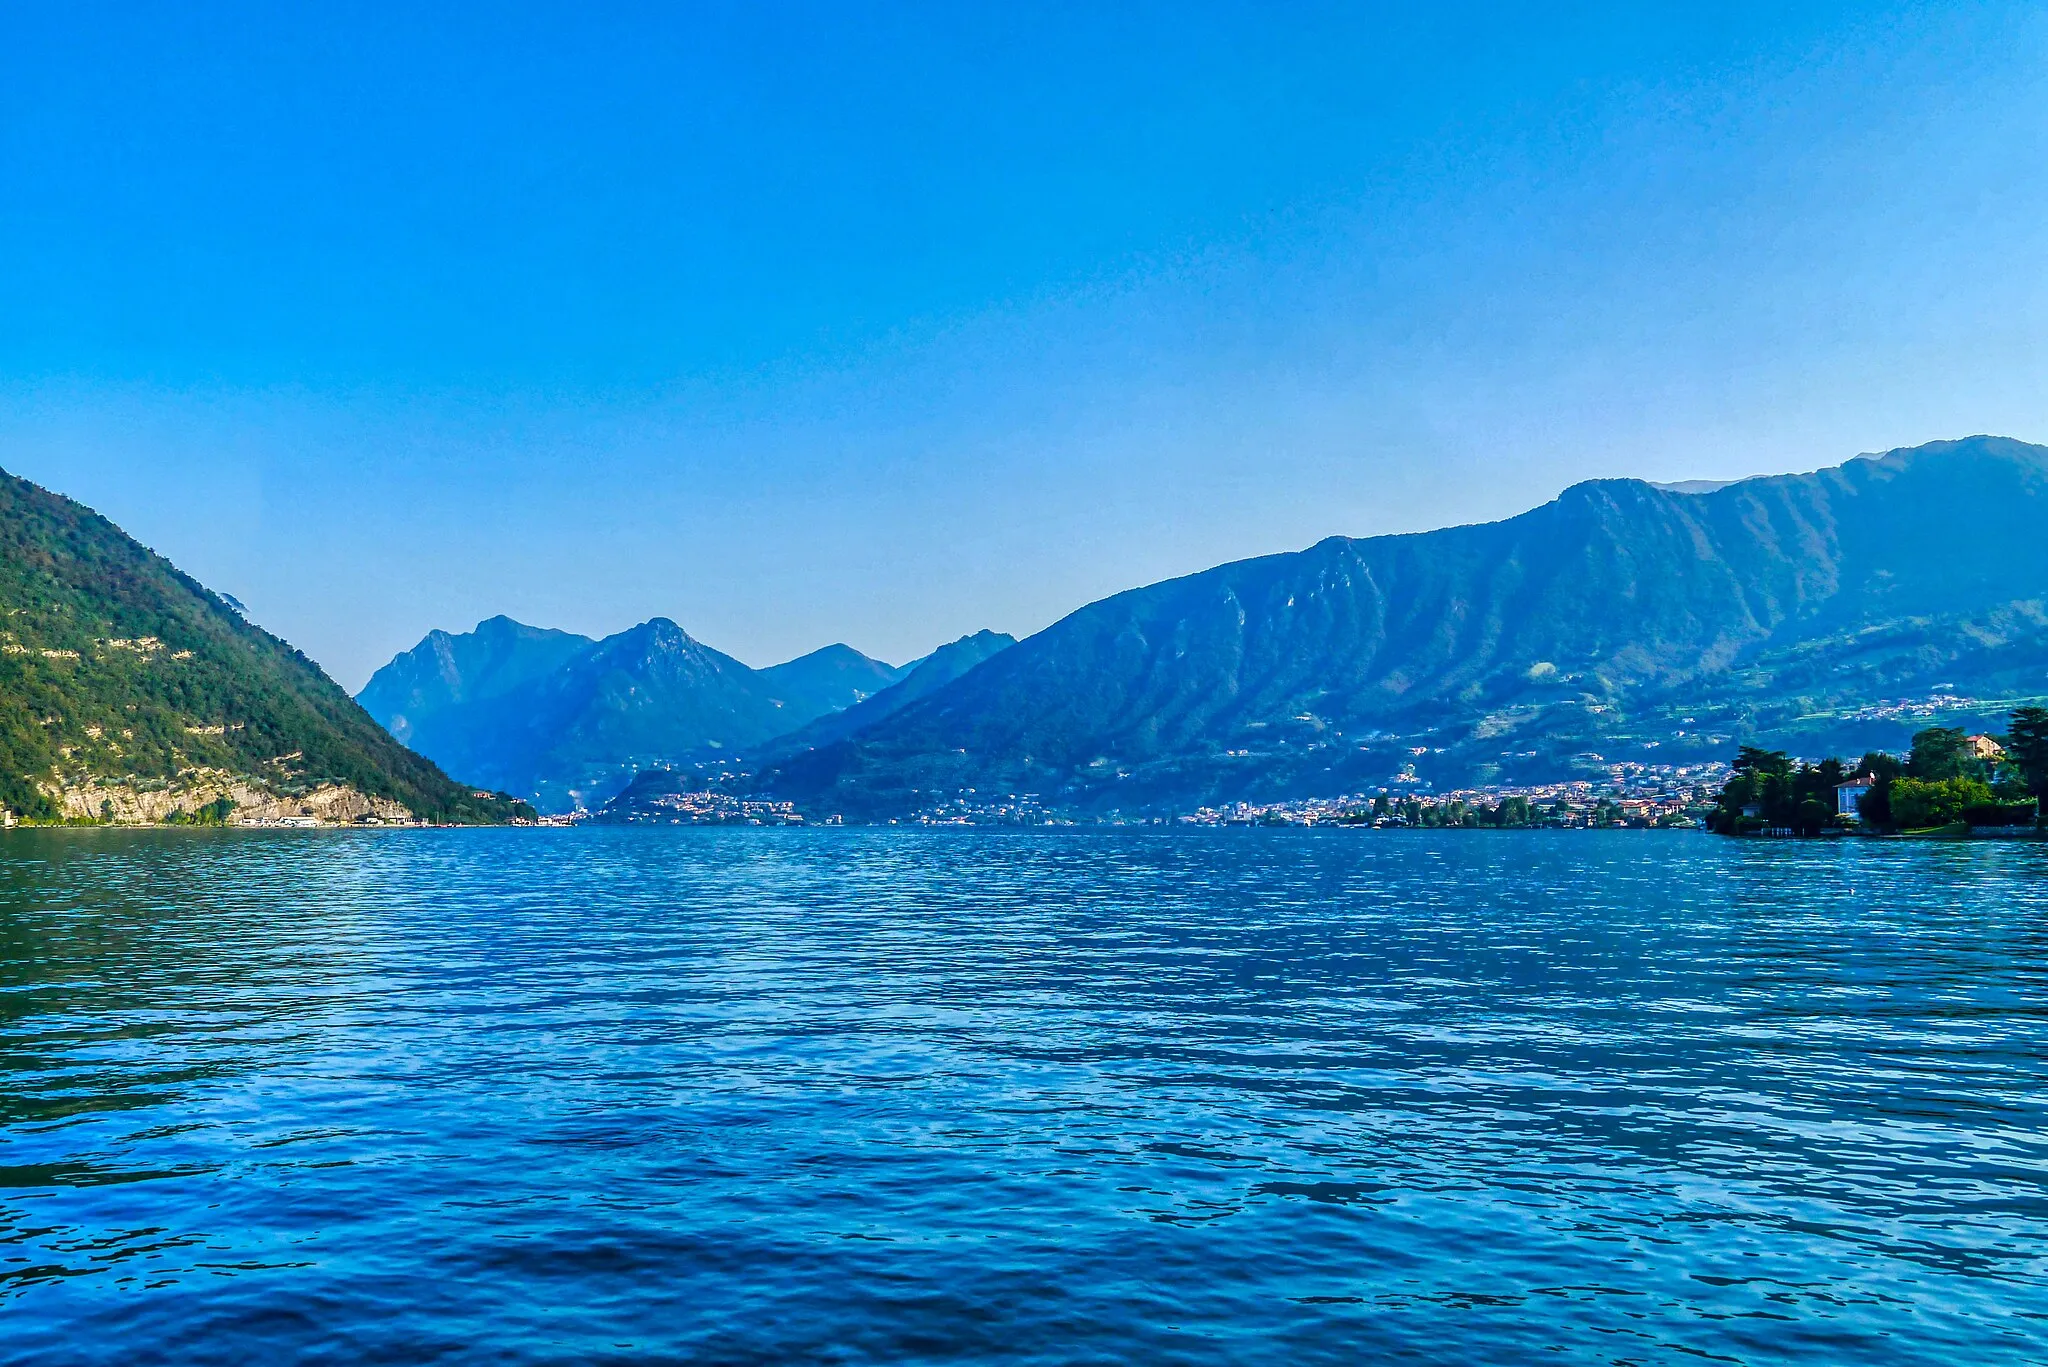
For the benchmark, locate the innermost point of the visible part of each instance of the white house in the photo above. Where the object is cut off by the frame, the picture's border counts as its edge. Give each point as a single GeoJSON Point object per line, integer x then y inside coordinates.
{"type": "Point", "coordinates": [1848, 794]}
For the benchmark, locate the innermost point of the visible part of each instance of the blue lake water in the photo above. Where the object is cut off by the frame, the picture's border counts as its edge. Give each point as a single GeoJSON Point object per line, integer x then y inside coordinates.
{"type": "Point", "coordinates": [874, 1096]}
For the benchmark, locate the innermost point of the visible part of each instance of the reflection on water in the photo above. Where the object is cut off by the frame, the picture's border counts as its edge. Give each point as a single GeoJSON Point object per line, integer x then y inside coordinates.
{"type": "Point", "coordinates": [874, 1096]}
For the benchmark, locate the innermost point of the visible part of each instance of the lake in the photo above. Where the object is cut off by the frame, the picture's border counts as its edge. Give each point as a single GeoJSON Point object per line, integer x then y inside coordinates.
{"type": "Point", "coordinates": [1237, 1096]}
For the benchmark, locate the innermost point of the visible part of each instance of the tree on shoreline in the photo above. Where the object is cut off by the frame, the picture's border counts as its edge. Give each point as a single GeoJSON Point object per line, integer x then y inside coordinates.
{"type": "Point", "coordinates": [1941, 753]}
{"type": "Point", "coordinates": [1768, 792]}
{"type": "Point", "coordinates": [2026, 745]}
{"type": "Point", "coordinates": [1940, 783]}
{"type": "Point", "coordinates": [1923, 803]}
{"type": "Point", "coordinates": [1882, 769]}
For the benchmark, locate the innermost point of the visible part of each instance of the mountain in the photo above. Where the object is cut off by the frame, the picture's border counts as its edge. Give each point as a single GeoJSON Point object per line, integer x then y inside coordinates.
{"type": "Point", "coordinates": [439, 697]}
{"type": "Point", "coordinates": [915, 679]}
{"type": "Point", "coordinates": [648, 696]}
{"type": "Point", "coordinates": [827, 680]}
{"type": "Point", "coordinates": [653, 792]}
{"type": "Point", "coordinates": [129, 691]}
{"type": "Point", "coordinates": [1619, 621]}
{"type": "Point", "coordinates": [568, 721]}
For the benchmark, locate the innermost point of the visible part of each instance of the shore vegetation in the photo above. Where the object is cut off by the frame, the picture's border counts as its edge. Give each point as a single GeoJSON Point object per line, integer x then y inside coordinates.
{"type": "Point", "coordinates": [1948, 783]}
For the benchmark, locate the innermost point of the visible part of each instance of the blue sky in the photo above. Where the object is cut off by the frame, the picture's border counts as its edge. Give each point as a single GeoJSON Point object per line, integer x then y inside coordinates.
{"type": "Point", "coordinates": [801, 324]}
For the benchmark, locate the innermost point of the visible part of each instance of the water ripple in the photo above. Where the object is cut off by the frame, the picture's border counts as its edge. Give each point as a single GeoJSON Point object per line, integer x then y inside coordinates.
{"type": "Point", "coordinates": [846, 1096]}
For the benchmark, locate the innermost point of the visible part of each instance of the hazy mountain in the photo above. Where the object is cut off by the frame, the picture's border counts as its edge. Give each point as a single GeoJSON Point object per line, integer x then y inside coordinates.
{"type": "Point", "coordinates": [917, 678]}
{"type": "Point", "coordinates": [436, 697]}
{"type": "Point", "coordinates": [1619, 618]}
{"type": "Point", "coordinates": [827, 680]}
{"type": "Point", "coordinates": [648, 696]}
{"type": "Point", "coordinates": [643, 798]}
{"type": "Point", "coordinates": [568, 721]}
{"type": "Point", "coordinates": [127, 688]}
{"type": "Point", "coordinates": [946, 664]}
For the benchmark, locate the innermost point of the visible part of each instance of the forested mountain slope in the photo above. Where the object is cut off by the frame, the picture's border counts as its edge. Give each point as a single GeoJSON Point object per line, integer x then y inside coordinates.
{"type": "Point", "coordinates": [1501, 649]}
{"type": "Point", "coordinates": [127, 689]}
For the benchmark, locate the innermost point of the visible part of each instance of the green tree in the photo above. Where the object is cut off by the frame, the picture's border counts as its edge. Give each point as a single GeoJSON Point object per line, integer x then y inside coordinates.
{"type": "Point", "coordinates": [1919, 803]}
{"type": "Point", "coordinates": [1875, 806]}
{"type": "Point", "coordinates": [2026, 746]}
{"type": "Point", "coordinates": [1749, 759]}
{"type": "Point", "coordinates": [1768, 793]}
{"type": "Point", "coordinates": [1939, 752]}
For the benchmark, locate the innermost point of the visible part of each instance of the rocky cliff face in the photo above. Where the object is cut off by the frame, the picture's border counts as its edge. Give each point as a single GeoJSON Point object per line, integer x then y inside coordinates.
{"type": "Point", "coordinates": [137, 802]}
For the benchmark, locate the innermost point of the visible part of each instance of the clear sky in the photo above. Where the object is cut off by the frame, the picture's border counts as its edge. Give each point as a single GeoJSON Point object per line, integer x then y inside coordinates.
{"type": "Point", "coordinates": [801, 324]}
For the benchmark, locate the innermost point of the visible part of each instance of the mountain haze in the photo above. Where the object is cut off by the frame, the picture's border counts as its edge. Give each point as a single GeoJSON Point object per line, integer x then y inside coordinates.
{"type": "Point", "coordinates": [1500, 649]}
{"type": "Point", "coordinates": [568, 721]}
{"type": "Point", "coordinates": [430, 696]}
{"type": "Point", "coordinates": [916, 679]}
{"type": "Point", "coordinates": [838, 676]}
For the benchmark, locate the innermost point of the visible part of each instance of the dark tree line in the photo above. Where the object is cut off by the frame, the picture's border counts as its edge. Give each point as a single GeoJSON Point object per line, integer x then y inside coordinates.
{"type": "Point", "coordinates": [1941, 782]}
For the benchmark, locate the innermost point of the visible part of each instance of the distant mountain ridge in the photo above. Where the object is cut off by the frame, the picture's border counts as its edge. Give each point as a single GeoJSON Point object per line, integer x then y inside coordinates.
{"type": "Point", "coordinates": [1621, 622]}
{"type": "Point", "coordinates": [1588, 625]}
{"type": "Point", "coordinates": [568, 721]}
{"type": "Point", "coordinates": [429, 687]}
{"type": "Point", "coordinates": [829, 679]}
{"type": "Point", "coordinates": [916, 679]}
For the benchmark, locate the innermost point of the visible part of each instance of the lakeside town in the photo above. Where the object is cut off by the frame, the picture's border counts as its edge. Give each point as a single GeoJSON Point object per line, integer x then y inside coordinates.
{"type": "Point", "coordinates": [1949, 783]}
{"type": "Point", "coordinates": [1636, 796]}
{"type": "Point", "coordinates": [699, 808]}
{"type": "Point", "coordinates": [1628, 795]}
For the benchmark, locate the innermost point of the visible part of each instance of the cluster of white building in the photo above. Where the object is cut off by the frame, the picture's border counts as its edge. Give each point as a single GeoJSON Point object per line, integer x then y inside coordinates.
{"type": "Point", "coordinates": [973, 809]}
{"type": "Point", "coordinates": [708, 809]}
{"type": "Point", "coordinates": [1632, 795]}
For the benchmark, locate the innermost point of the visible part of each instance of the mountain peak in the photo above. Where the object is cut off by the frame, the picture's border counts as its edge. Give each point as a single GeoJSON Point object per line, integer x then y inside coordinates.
{"type": "Point", "coordinates": [828, 679]}
{"type": "Point", "coordinates": [838, 654]}
{"type": "Point", "coordinates": [1961, 450]}
{"type": "Point", "coordinates": [1617, 493]}
{"type": "Point", "coordinates": [659, 633]}
{"type": "Point", "coordinates": [501, 625]}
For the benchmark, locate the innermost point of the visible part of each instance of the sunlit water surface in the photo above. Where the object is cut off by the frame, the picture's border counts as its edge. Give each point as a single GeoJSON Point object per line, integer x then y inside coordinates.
{"type": "Point", "coordinates": [1239, 1096]}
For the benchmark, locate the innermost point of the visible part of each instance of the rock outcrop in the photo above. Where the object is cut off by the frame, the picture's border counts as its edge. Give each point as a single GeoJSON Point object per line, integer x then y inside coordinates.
{"type": "Point", "coordinates": [142, 802]}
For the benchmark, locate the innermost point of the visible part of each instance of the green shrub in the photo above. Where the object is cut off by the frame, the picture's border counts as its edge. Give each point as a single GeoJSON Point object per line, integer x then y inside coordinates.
{"type": "Point", "coordinates": [2000, 814]}
{"type": "Point", "coordinates": [1918, 803]}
